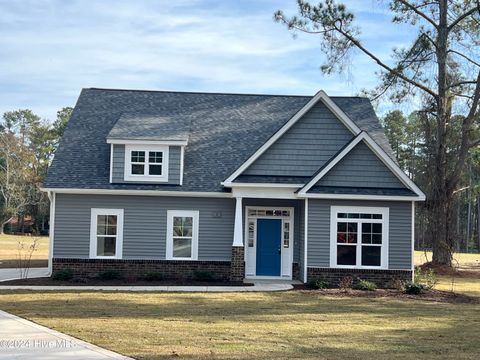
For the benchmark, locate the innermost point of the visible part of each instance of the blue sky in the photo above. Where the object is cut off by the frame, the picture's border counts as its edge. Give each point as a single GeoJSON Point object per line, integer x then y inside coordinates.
{"type": "Point", "coordinates": [50, 49]}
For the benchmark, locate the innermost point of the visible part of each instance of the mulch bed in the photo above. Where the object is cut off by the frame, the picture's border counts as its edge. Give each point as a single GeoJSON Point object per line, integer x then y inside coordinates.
{"type": "Point", "coordinates": [99, 282]}
{"type": "Point", "coordinates": [430, 295]}
{"type": "Point", "coordinates": [9, 264]}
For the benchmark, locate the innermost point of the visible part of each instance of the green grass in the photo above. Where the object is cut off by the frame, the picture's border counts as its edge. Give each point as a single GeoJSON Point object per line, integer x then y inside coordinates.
{"type": "Point", "coordinates": [9, 250]}
{"type": "Point", "coordinates": [287, 325]}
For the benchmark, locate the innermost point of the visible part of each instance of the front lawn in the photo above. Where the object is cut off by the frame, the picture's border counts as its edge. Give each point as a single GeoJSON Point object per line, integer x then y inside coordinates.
{"type": "Point", "coordinates": [288, 325]}
{"type": "Point", "coordinates": [9, 250]}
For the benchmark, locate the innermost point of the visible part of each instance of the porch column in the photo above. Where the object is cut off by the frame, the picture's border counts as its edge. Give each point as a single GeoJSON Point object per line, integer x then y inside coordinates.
{"type": "Point", "coordinates": [237, 265]}
{"type": "Point", "coordinates": [238, 230]}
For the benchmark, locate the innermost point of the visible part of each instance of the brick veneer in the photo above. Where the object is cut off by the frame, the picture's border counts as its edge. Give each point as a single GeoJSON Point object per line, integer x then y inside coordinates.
{"type": "Point", "coordinates": [237, 266]}
{"type": "Point", "coordinates": [171, 269]}
{"type": "Point", "coordinates": [295, 271]}
{"type": "Point", "coordinates": [382, 278]}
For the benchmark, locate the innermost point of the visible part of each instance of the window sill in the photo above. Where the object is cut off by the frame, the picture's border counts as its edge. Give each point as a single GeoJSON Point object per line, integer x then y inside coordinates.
{"type": "Point", "coordinates": [358, 267]}
{"type": "Point", "coordinates": [146, 178]}
{"type": "Point", "coordinates": [180, 259]}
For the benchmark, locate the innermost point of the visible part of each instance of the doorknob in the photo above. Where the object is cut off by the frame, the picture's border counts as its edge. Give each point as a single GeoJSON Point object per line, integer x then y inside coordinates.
{"type": "Point", "coordinates": [279, 251]}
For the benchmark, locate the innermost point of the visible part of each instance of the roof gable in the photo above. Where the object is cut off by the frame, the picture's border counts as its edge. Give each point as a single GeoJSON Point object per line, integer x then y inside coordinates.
{"type": "Point", "coordinates": [320, 97]}
{"type": "Point", "coordinates": [361, 164]}
{"type": "Point", "coordinates": [361, 168]}
{"type": "Point", "coordinates": [304, 147]}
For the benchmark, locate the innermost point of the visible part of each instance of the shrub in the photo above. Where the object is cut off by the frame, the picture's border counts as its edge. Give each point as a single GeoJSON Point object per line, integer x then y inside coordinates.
{"type": "Point", "coordinates": [346, 283]}
{"type": "Point", "coordinates": [365, 285]}
{"type": "Point", "coordinates": [63, 275]}
{"type": "Point", "coordinates": [318, 284]}
{"type": "Point", "coordinates": [398, 284]}
{"type": "Point", "coordinates": [414, 288]}
{"type": "Point", "coordinates": [426, 278]}
{"type": "Point", "coordinates": [153, 276]}
{"type": "Point", "coordinates": [200, 275]}
{"type": "Point", "coordinates": [110, 275]}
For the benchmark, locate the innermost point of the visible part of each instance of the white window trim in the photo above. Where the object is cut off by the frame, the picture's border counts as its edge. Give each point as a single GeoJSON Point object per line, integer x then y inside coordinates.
{"type": "Point", "coordinates": [384, 211]}
{"type": "Point", "coordinates": [128, 176]}
{"type": "Point", "coordinates": [169, 246]}
{"type": "Point", "coordinates": [93, 232]}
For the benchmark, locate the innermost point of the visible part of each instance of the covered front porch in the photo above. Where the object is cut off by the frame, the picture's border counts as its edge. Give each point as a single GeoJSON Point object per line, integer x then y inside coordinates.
{"type": "Point", "coordinates": [269, 236]}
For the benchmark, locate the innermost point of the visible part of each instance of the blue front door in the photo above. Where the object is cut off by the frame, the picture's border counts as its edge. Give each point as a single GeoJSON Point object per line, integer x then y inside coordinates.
{"type": "Point", "coordinates": [269, 238]}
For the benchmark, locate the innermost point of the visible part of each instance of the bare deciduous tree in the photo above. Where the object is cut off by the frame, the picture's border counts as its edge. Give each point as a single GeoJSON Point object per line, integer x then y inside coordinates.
{"type": "Point", "coordinates": [16, 191]}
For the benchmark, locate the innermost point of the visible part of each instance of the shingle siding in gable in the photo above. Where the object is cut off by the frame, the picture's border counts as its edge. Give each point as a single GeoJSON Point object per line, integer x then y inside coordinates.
{"type": "Point", "coordinates": [305, 147]}
{"type": "Point", "coordinates": [118, 165]}
{"type": "Point", "coordinates": [361, 168]}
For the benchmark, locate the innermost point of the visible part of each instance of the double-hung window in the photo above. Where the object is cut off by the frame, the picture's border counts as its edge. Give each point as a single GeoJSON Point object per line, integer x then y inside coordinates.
{"type": "Point", "coordinates": [146, 163]}
{"type": "Point", "coordinates": [359, 237]}
{"type": "Point", "coordinates": [182, 235]}
{"type": "Point", "coordinates": [106, 233]}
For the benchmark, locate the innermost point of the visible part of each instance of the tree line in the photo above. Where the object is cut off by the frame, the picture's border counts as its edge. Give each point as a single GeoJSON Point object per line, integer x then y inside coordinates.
{"type": "Point", "coordinates": [27, 146]}
{"type": "Point", "coordinates": [411, 146]}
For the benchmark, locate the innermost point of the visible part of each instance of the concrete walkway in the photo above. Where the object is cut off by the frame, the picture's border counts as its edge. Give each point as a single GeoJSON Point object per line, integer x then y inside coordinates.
{"type": "Point", "coordinates": [14, 274]}
{"type": "Point", "coordinates": [21, 339]}
{"type": "Point", "coordinates": [263, 286]}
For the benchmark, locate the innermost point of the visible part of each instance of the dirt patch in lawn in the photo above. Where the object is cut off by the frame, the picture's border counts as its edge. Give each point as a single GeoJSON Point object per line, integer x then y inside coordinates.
{"type": "Point", "coordinates": [429, 295]}
{"type": "Point", "coordinates": [470, 270]}
{"type": "Point", "coordinates": [119, 282]}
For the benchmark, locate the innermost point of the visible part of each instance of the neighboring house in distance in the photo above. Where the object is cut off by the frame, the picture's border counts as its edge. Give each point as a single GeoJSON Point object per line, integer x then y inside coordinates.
{"type": "Point", "coordinates": [243, 186]}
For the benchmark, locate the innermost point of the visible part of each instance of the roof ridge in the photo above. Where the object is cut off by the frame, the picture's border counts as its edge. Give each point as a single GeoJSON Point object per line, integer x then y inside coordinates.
{"type": "Point", "coordinates": [217, 93]}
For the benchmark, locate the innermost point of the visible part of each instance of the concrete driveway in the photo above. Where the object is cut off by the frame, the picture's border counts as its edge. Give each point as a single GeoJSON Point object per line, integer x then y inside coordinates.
{"type": "Point", "coordinates": [13, 274]}
{"type": "Point", "coordinates": [21, 339]}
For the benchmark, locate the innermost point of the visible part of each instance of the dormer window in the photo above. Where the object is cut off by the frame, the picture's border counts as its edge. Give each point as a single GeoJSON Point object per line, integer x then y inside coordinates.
{"type": "Point", "coordinates": [146, 163]}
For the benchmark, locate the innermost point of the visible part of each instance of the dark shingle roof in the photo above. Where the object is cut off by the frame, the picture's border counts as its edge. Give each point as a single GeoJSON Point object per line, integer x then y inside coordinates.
{"type": "Point", "coordinates": [150, 127]}
{"type": "Point", "coordinates": [361, 191]}
{"type": "Point", "coordinates": [225, 129]}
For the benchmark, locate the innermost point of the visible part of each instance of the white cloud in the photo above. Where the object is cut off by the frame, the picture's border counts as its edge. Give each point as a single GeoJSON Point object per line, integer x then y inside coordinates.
{"type": "Point", "coordinates": [50, 49]}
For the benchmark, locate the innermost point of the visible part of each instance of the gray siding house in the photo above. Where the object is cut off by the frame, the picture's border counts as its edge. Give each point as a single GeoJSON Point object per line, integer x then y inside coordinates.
{"type": "Point", "coordinates": [243, 186]}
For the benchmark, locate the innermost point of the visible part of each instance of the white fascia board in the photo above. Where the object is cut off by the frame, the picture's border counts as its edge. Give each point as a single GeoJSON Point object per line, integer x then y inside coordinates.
{"type": "Point", "coordinates": [138, 192]}
{"type": "Point", "coordinates": [261, 185]}
{"type": "Point", "coordinates": [320, 96]}
{"type": "Point", "coordinates": [147, 142]}
{"type": "Point", "coordinates": [361, 197]}
{"type": "Point", "coordinates": [381, 154]}
{"type": "Point", "coordinates": [268, 193]}
{"type": "Point", "coordinates": [111, 163]}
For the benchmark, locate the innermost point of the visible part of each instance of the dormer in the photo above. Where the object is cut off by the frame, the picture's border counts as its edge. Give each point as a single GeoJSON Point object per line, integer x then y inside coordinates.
{"type": "Point", "coordinates": [147, 149]}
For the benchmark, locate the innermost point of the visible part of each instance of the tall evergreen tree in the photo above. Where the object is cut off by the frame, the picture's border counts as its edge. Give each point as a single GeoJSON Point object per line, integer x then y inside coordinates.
{"type": "Point", "coordinates": [440, 66]}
